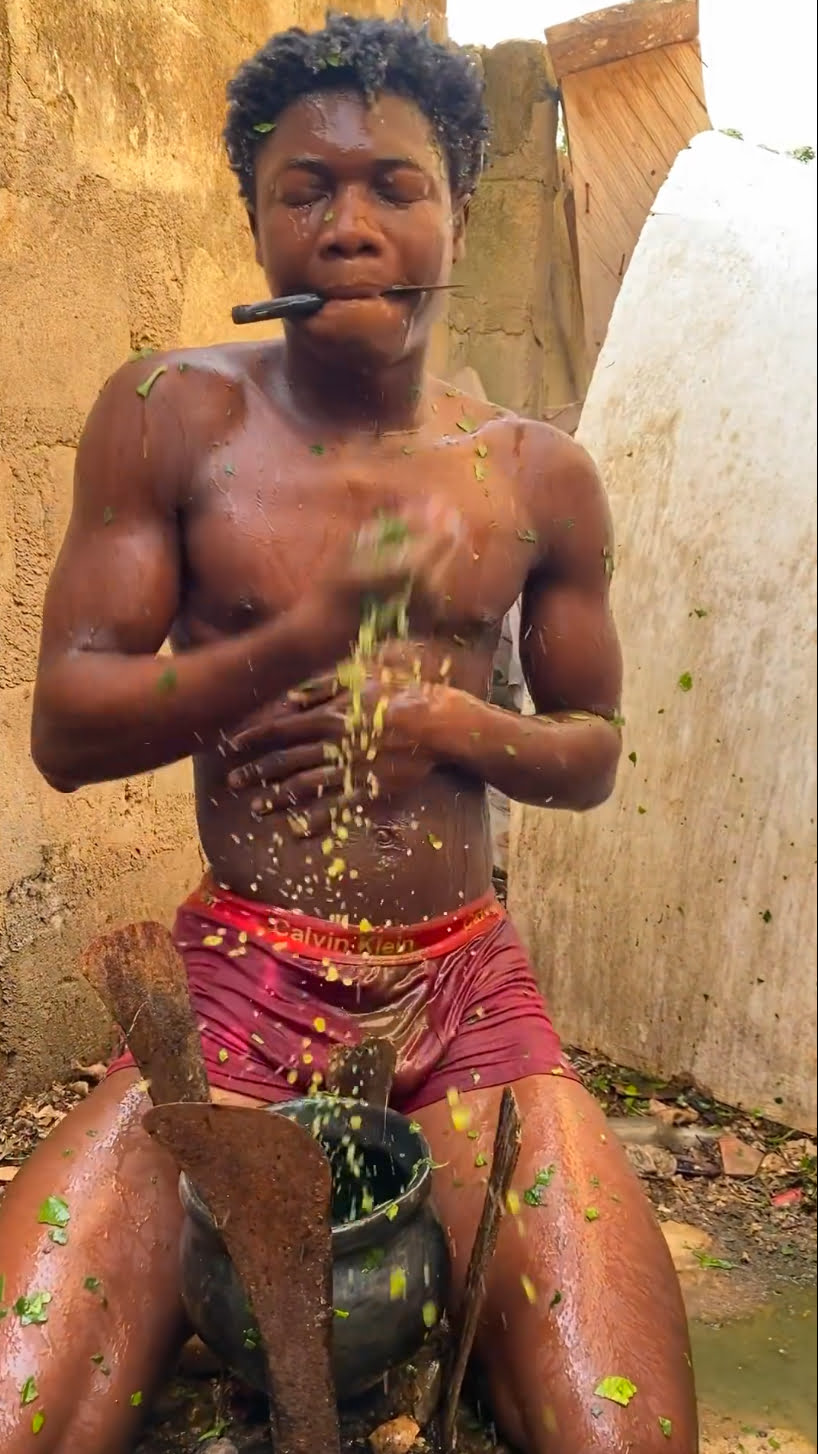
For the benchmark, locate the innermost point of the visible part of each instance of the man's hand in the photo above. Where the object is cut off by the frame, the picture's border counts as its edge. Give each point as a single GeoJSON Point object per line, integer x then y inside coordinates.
{"type": "Point", "coordinates": [313, 760]}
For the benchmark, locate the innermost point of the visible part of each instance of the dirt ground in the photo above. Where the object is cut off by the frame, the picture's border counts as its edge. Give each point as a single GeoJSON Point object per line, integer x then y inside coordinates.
{"type": "Point", "coordinates": [757, 1231]}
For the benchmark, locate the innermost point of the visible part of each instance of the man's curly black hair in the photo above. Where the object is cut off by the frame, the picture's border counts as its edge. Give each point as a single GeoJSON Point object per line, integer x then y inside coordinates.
{"type": "Point", "coordinates": [369, 56]}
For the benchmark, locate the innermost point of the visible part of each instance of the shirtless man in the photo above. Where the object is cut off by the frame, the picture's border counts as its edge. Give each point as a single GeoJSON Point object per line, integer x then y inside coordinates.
{"type": "Point", "coordinates": [215, 489]}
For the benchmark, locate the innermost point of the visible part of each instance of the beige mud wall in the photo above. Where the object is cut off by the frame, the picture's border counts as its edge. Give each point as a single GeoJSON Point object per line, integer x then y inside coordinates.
{"type": "Point", "coordinates": [675, 927]}
{"type": "Point", "coordinates": [119, 227]}
{"type": "Point", "coordinates": [517, 316]}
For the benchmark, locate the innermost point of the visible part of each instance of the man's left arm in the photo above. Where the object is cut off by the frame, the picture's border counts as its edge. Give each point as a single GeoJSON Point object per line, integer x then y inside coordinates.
{"type": "Point", "coordinates": [567, 755]}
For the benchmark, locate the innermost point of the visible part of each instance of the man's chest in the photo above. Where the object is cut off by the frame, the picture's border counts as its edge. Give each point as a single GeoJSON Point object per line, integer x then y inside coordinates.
{"type": "Point", "coordinates": [264, 524]}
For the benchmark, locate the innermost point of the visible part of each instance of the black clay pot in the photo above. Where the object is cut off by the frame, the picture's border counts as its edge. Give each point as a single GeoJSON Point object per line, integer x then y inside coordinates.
{"type": "Point", "coordinates": [390, 1271]}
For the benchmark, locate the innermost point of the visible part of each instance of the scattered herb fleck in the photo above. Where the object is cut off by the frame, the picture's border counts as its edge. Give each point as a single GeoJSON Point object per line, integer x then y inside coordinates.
{"type": "Point", "coordinates": [33, 1309]}
{"type": "Point", "coordinates": [718, 1263]}
{"type": "Point", "coordinates": [430, 1314]}
{"type": "Point", "coordinates": [136, 1399]}
{"type": "Point", "coordinates": [54, 1212]}
{"type": "Point", "coordinates": [767, 916]}
{"type": "Point", "coordinates": [467, 424]}
{"type": "Point", "coordinates": [591, 1214]}
{"type": "Point", "coordinates": [145, 387]}
{"type": "Point", "coordinates": [28, 1392]}
{"type": "Point", "coordinates": [480, 1160]}
{"type": "Point", "coordinates": [617, 1390]}
{"type": "Point", "coordinates": [533, 1194]}
{"type": "Point", "coordinates": [340, 1313]}
{"type": "Point", "coordinates": [317, 449]}
{"type": "Point", "coordinates": [223, 1056]}
{"type": "Point", "coordinates": [556, 1300]}
{"type": "Point", "coordinates": [264, 127]}
{"type": "Point", "coordinates": [37, 1422]}
{"type": "Point", "coordinates": [167, 681]}
{"type": "Point", "coordinates": [632, 758]}
{"type": "Point", "coordinates": [92, 1284]}
{"type": "Point", "coordinates": [58, 1235]}
{"type": "Point", "coordinates": [685, 681]}
{"type": "Point", "coordinates": [666, 1425]}
{"type": "Point", "coordinates": [374, 1259]}
{"type": "Point", "coordinates": [529, 536]}
{"type": "Point", "coordinates": [397, 1283]}
{"type": "Point", "coordinates": [230, 469]}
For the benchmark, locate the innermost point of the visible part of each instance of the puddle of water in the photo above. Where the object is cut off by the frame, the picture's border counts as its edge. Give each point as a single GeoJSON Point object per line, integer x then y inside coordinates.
{"type": "Point", "coordinates": [762, 1369]}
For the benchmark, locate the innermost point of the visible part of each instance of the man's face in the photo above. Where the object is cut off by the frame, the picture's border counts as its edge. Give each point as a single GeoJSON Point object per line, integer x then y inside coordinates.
{"type": "Point", "coordinates": [350, 199]}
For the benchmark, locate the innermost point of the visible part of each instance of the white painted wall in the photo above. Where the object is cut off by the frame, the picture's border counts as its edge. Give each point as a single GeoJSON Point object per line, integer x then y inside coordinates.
{"type": "Point", "coordinates": [675, 928]}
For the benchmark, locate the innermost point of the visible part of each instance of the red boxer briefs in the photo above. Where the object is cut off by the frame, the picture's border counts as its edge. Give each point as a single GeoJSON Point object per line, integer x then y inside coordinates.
{"type": "Point", "coordinates": [276, 991]}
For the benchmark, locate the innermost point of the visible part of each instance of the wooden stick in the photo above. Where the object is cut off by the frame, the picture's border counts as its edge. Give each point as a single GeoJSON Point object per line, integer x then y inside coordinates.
{"type": "Point", "coordinates": [503, 1163]}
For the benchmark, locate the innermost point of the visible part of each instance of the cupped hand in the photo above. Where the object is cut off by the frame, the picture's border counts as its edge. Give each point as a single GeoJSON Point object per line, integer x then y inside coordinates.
{"type": "Point", "coordinates": [323, 749]}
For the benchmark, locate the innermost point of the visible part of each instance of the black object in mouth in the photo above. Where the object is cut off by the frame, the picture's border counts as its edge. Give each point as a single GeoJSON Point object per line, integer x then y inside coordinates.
{"type": "Point", "coordinates": [302, 305]}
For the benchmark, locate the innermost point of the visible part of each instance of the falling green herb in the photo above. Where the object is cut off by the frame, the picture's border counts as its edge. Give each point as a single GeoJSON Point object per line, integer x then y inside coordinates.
{"type": "Point", "coordinates": [666, 1425]}
{"type": "Point", "coordinates": [529, 536]}
{"type": "Point", "coordinates": [632, 758]}
{"type": "Point", "coordinates": [28, 1392]}
{"type": "Point", "coordinates": [374, 1259]}
{"type": "Point", "coordinates": [591, 1214]}
{"type": "Point", "coordinates": [167, 681]}
{"type": "Point", "coordinates": [617, 1390]}
{"type": "Point", "coordinates": [392, 1212]}
{"type": "Point", "coordinates": [543, 1179]}
{"type": "Point", "coordinates": [317, 449]}
{"type": "Point", "coordinates": [434, 841]}
{"type": "Point", "coordinates": [107, 515]}
{"type": "Point", "coordinates": [54, 1212]}
{"type": "Point", "coordinates": [397, 1284]}
{"type": "Point", "coordinates": [37, 1422]}
{"type": "Point", "coordinates": [144, 388]}
{"type": "Point", "coordinates": [33, 1309]}
{"type": "Point", "coordinates": [223, 1056]}
{"type": "Point", "coordinates": [480, 1160]}
{"type": "Point", "coordinates": [415, 1126]}
{"type": "Point", "coordinates": [467, 425]}
{"type": "Point", "coordinates": [719, 1264]}
{"type": "Point", "coordinates": [430, 1314]}
{"type": "Point", "coordinates": [136, 1399]}
{"type": "Point", "coordinates": [264, 127]}
{"type": "Point", "coordinates": [685, 681]}
{"type": "Point", "coordinates": [340, 1313]}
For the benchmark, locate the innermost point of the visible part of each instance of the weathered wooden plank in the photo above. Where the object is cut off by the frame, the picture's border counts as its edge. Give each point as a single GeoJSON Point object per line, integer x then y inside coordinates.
{"type": "Point", "coordinates": [620, 31]}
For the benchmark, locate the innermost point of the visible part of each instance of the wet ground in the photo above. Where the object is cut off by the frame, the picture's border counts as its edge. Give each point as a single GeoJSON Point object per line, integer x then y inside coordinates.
{"type": "Point", "coordinates": [744, 1247]}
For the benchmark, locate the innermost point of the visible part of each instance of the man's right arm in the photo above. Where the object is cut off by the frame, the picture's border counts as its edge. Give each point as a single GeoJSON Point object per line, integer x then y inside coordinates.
{"type": "Point", "coordinates": [106, 706]}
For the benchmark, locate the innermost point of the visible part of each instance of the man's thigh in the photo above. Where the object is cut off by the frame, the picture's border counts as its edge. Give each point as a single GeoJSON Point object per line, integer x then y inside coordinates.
{"type": "Point", "coordinates": [581, 1288]}
{"type": "Point", "coordinates": [101, 1313]}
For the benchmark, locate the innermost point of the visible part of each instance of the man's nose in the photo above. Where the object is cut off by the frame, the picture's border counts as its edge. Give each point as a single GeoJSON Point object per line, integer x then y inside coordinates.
{"type": "Point", "coordinates": [350, 230]}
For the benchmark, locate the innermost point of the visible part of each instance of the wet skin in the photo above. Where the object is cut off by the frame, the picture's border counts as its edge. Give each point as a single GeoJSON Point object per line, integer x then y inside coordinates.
{"type": "Point", "coordinates": [215, 511]}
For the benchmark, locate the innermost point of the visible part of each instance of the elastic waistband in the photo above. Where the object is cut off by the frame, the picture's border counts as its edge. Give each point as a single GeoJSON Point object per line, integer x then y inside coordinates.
{"type": "Point", "coordinates": [294, 933]}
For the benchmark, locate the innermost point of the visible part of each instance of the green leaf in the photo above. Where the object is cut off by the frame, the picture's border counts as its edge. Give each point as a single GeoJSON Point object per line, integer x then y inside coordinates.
{"type": "Point", "coordinates": [136, 1398]}
{"type": "Point", "coordinates": [317, 449]}
{"type": "Point", "coordinates": [591, 1214]}
{"type": "Point", "coordinates": [430, 1314]}
{"type": "Point", "coordinates": [37, 1422]}
{"type": "Point", "coordinates": [533, 1194]}
{"type": "Point", "coordinates": [33, 1309]}
{"type": "Point", "coordinates": [145, 387]}
{"type": "Point", "coordinates": [54, 1212]}
{"type": "Point", "coordinates": [685, 681]}
{"type": "Point", "coordinates": [58, 1235]}
{"type": "Point", "coordinates": [264, 127]}
{"type": "Point", "coordinates": [719, 1263]}
{"type": "Point", "coordinates": [617, 1390]}
{"type": "Point", "coordinates": [28, 1392]}
{"type": "Point", "coordinates": [666, 1425]}
{"type": "Point", "coordinates": [92, 1284]}
{"type": "Point", "coordinates": [214, 1432]}
{"type": "Point", "coordinates": [340, 1312]}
